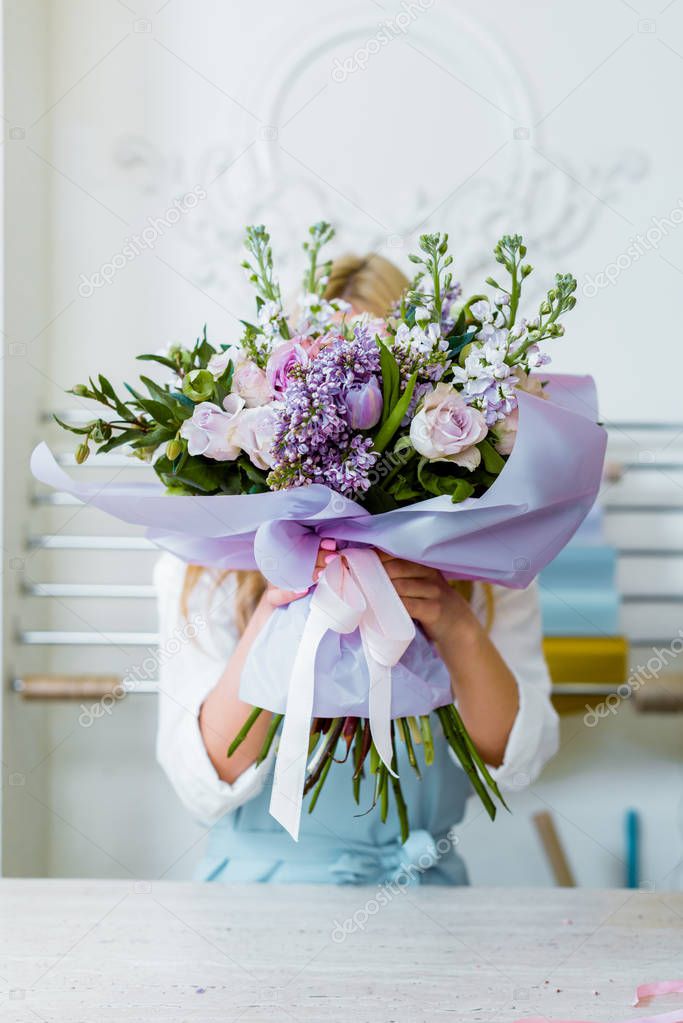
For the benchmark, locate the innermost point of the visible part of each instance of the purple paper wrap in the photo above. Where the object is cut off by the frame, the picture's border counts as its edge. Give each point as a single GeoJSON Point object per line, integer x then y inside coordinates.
{"type": "Point", "coordinates": [507, 536]}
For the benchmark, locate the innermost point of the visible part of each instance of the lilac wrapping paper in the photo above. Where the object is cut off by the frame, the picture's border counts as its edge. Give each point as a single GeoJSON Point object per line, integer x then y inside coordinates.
{"type": "Point", "coordinates": [419, 682]}
{"type": "Point", "coordinates": [506, 537]}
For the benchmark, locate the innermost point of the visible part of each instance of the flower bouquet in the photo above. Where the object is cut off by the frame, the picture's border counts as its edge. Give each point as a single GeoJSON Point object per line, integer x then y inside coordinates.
{"type": "Point", "coordinates": [426, 434]}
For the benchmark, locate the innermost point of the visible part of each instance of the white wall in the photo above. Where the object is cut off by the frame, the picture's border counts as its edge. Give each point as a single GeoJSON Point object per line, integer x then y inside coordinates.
{"type": "Point", "coordinates": [555, 120]}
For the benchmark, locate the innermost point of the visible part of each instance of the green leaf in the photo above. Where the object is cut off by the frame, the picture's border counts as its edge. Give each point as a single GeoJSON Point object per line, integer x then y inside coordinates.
{"type": "Point", "coordinates": [253, 475]}
{"type": "Point", "coordinates": [393, 420]}
{"type": "Point", "coordinates": [201, 476]}
{"type": "Point", "coordinates": [402, 489]}
{"type": "Point", "coordinates": [107, 391]}
{"type": "Point", "coordinates": [456, 342]}
{"type": "Point", "coordinates": [377, 501]}
{"type": "Point", "coordinates": [161, 359]}
{"type": "Point", "coordinates": [156, 409]}
{"type": "Point", "coordinates": [157, 392]}
{"type": "Point", "coordinates": [73, 429]}
{"type": "Point", "coordinates": [125, 437]}
{"type": "Point", "coordinates": [223, 384]}
{"type": "Point", "coordinates": [493, 462]}
{"type": "Point", "coordinates": [153, 438]}
{"type": "Point", "coordinates": [391, 380]}
{"type": "Point", "coordinates": [184, 407]}
{"type": "Point", "coordinates": [442, 481]}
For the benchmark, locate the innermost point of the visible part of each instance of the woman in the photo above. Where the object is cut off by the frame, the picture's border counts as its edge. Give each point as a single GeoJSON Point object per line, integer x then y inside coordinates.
{"type": "Point", "coordinates": [488, 637]}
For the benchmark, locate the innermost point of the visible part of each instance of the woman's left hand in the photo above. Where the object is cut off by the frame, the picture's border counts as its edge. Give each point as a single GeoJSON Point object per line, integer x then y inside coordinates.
{"type": "Point", "coordinates": [426, 595]}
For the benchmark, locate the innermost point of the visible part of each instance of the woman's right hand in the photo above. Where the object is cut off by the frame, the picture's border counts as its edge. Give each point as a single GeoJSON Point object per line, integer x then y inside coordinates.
{"type": "Point", "coordinates": [277, 597]}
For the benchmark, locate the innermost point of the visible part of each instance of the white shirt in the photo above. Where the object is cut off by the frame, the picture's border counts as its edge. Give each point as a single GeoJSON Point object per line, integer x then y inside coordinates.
{"type": "Point", "coordinates": [194, 651]}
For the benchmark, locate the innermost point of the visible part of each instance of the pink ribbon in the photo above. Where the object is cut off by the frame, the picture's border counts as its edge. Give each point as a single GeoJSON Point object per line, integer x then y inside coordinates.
{"type": "Point", "coordinates": [353, 592]}
{"type": "Point", "coordinates": [658, 987]}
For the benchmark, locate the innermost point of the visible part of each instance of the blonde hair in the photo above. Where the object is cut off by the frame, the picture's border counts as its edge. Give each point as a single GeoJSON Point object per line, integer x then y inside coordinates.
{"type": "Point", "coordinates": [371, 284]}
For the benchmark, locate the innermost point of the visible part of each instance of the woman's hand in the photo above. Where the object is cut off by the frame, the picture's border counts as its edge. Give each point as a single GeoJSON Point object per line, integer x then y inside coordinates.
{"type": "Point", "coordinates": [426, 595]}
{"type": "Point", "coordinates": [277, 597]}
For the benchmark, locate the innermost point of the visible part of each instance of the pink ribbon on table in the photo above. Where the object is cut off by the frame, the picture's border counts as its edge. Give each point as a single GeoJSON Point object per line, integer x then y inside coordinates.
{"type": "Point", "coordinates": [353, 592]}
{"type": "Point", "coordinates": [663, 1017]}
{"type": "Point", "coordinates": [658, 987]}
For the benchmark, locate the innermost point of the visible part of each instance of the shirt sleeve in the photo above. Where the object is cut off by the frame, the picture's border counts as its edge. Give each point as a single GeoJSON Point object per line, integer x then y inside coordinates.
{"type": "Point", "coordinates": [193, 651]}
{"type": "Point", "coordinates": [517, 632]}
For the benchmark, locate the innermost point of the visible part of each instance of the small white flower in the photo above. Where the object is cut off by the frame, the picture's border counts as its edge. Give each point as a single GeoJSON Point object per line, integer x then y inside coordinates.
{"type": "Point", "coordinates": [482, 311]}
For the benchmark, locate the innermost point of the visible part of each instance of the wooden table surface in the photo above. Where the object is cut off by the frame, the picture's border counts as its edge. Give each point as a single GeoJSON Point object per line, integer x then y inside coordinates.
{"type": "Point", "coordinates": [92, 951]}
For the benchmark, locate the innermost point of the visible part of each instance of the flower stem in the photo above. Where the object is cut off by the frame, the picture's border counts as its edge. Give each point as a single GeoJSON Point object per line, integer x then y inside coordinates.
{"type": "Point", "coordinates": [270, 735]}
{"type": "Point", "coordinates": [459, 724]}
{"type": "Point", "coordinates": [427, 739]}
{"type": "Point", "coordinates": [244, 730]}
{"type": "Point", "coordinates": [321, 781]}
{"type": "Point", "coordinates": [458, 746]}
{"type": "Point", "coordinates": [383, 794]}
{"type": "Point", "coordinates": [401, 808]}
{"type": "Point", "coordinates": [404, 732]}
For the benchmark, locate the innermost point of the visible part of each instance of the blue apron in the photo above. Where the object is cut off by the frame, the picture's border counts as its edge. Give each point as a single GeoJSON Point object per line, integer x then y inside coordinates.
{"type": "Point", "coordinates": [339, 843]}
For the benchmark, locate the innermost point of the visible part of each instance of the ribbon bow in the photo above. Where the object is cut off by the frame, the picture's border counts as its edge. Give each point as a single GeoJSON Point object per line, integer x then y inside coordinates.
{"type": "Point", "coordinates": [353, 592]}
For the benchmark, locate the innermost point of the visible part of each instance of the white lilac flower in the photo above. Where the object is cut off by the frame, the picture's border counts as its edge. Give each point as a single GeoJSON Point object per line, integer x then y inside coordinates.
{"type": "Point", "coordinates": [535, 357]}
{"type": "Point", "coordinates": [483, 311]}
{"type": "Point", "coordinates": [316, 314]}
{"type": "Point", "coordinates": [268, 319]}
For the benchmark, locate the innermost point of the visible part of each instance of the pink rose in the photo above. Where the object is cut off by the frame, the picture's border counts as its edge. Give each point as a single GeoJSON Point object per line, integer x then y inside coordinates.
{"type": "Point", "coordinates": [209, 430]}
{"type": "Point", "coordinates": [283, 359]}
{"type": "Point", "coordinates": [254, 432]}
{"type": "Point", "coordinates": [251, 383]}
{"type": "Point", "coordinates": [312, 346]}
{"type": "Point", "coordinates": [446, 429]}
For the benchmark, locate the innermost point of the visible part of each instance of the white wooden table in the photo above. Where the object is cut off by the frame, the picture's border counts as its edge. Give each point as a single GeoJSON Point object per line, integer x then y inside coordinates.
{"type": "Point", "coordinates": [117, 951]}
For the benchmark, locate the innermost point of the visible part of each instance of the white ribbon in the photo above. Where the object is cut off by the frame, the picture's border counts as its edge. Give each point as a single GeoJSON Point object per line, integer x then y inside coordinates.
{"type": "Point", "coordinates": [353, 592]}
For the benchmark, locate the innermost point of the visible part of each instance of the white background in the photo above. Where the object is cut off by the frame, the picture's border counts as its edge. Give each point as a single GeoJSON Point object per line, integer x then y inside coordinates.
{"type": "Point", "coordinates": [560, 121]}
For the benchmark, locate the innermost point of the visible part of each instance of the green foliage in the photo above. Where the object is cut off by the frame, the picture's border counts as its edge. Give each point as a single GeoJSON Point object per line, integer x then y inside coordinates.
{"type": "Point", "coordinates": [315, 277]}
{"type": "Point", "coordinates": [391, 424]}
{"type": "Point", "coordinates": [439, 478]}
{"type": "Point", "coordinates": [391, 380]}
{"type": "Point", "coordinates": [434, 260]}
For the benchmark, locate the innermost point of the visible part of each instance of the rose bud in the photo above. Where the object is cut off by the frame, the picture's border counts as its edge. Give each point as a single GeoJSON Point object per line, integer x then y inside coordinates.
{"type": "Point", "coordinates": [364, 403]}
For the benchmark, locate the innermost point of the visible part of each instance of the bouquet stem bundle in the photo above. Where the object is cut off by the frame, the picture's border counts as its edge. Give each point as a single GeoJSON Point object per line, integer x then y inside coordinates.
{"type": "Point", "coordinates": [352, 735]}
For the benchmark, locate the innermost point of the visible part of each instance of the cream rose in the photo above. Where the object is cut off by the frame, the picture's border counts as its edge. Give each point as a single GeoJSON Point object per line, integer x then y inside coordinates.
{"type": "Point", "coordinates": [447, 429]}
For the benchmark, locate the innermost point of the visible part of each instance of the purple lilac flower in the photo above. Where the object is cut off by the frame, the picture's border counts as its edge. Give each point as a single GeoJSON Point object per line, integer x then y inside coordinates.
{"type": "Point", "coordinates": [449, 310]}
{"type": "Point", "coordinates": [314, 440]}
